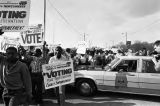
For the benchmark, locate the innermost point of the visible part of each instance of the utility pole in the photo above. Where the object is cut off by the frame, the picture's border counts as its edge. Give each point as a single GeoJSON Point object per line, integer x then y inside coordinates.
{"type": "Point", "coordinates": [84, 37]}
{"type": "Point", "coordinates": [126, 37]}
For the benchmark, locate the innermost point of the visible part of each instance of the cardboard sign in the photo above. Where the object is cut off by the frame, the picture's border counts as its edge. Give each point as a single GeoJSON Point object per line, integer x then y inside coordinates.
{"type": "Point", "coordinates": [32, 37]}
{"type": "Point", "coordinates": [14, 15]}
{"type": "Point", "coordinates": [8, 42]}
{"type": "Point", "coordinates": [58, 74]}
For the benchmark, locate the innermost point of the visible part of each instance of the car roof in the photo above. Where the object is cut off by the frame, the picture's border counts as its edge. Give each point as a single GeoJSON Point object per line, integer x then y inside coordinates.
{"type": "Point", "coordinates": [135, 57]}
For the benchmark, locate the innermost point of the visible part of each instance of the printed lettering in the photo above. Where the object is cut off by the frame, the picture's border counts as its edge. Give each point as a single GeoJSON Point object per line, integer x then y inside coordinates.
{"type": "Point", "coordinates": [63, 81]}
{"type": "Point", "coordinates": [49, 84]}
{"type": "Point", "coordinates": [31, 38]}
{"type": "Point", "coordinates": [47, 74]}
{"type": "Point", "coordinates": [24, 39]}
{"type": "Point", "coordinates": [39, 40]}
{"type": "Point", "coordinates": [12, 27]}
{"type": "Point", "coordinates": [58, 73]}
{"type": "Point", "coordinates": [4, 46]}
{"type": "Point", "coordinates": [12, 14]}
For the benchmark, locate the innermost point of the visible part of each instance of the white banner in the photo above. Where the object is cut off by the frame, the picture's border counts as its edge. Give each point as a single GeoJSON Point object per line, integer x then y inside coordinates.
{"type": "Point", "coordinates": [8, 42]}
{"type": "Point", "coordinates": [14, 15]}
{"type": "Point", "coordinates": [58, 74]}
{"type": "Point", "coordinates": [32, 37]}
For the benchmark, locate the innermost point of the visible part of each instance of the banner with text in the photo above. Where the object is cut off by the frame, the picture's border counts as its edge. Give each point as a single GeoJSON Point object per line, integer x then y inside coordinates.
{"type": "Point", "coordinates": [14, 15]}
{"type": "Point", "coordinates": [58, 74]}
{"type": "Point", "coordinates": [32, 37]}
{"type": "Point", "coordinates": [8, 42]}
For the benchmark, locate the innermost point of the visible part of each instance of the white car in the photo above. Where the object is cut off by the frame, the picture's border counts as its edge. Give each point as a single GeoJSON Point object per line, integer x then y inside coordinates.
{"type": "Point", "coordinates": [126, 74]}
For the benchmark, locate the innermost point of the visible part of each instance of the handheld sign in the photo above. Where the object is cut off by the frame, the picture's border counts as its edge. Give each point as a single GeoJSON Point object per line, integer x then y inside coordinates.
{"type": "Point", "coordinates": [32, 37]}
{"type": "Point", "coordinates": [58, 74]}
{"type": "Point", "coordinates": [82, 45]}
{"type": "Point", "coordinates": [8, 42]}
{"type": "Point", "coordinates": [14, 15]}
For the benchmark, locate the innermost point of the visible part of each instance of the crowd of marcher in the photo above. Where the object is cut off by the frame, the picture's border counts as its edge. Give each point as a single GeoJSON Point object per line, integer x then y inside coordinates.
{"type": "Point", "coordinates": [22, 69]}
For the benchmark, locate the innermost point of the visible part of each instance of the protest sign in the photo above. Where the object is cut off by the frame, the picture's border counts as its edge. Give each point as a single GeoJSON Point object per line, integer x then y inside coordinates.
{"type": "Point", "coordinates": [14, 15]}
{"type": "Point", "coordinates": [8, 42]}
{"type": "Point", "coordinates": [58, 74]}
{"type": "Point", "coordinates": [82, 45]}
{"type": "Point", "coordinates": [32, 37]}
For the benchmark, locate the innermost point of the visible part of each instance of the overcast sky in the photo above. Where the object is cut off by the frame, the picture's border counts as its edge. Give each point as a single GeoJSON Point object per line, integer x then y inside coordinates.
{"type": "Point", "coordinates": [103, 21]}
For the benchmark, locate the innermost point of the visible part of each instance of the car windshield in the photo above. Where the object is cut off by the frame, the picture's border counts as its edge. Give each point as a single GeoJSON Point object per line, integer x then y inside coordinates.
{"type": "Point", "coordinates": [112, 63]}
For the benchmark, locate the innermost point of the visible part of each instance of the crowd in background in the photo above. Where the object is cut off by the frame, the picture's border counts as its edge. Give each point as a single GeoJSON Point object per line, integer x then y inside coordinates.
{"type": "Point", "coordinates": [92, 57]}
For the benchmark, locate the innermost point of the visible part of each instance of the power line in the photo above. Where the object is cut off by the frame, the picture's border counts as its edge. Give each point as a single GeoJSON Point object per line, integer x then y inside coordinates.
{"type": "Point", "coordinates": [62, 16]}
{"type": "Point", "coordinates": [146, 27]}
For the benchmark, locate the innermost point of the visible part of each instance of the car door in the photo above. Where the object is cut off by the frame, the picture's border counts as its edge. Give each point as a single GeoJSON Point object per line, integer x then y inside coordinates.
{"type": "Point", "coordinates": [123, 75]}
{"type": "Point", "coordinates": [149, 79]}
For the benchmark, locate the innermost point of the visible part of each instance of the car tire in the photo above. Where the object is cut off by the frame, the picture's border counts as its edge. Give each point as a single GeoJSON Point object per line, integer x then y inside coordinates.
{"type": "Point", "coordinates": [86, 87]}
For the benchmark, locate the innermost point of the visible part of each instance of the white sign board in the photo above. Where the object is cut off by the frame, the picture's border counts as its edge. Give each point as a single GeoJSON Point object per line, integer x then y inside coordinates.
{"type": "Point", "coordinates": [32, 37]}
{"type": "Point", "coordinates": [14, 15]}
{"type": "Point", "coordinates": [82, 47]}
{"type": "Point", "coordinates": [58, 74]}
{"type": "Point", "coordinates": [81, 50]}
{"type": "Point", "coordinates": [8, 42]}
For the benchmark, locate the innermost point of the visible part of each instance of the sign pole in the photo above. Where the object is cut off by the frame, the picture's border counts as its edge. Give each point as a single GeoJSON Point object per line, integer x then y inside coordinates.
{"type": "Point", "coordinates": [44, 20]}
{"type": "Point", "coordinates": [60, 94]}
{"type": "Point", "coordinates": [44, 33]}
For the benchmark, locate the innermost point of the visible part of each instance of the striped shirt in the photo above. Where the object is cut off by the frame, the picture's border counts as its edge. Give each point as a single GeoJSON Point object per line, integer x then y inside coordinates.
{"type": "Point", "coordinates": [36, 64]}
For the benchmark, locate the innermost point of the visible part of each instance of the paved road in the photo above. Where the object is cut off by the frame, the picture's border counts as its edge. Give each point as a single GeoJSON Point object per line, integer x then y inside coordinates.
{"type": "Point", "coordinates": [103, 99]}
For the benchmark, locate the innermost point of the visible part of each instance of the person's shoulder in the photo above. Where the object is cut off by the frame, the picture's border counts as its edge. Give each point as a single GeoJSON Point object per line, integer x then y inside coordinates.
{"type": "Point", "coordinates": [53, 58]}
{"type": "Point", "coordinates": [21, 64]}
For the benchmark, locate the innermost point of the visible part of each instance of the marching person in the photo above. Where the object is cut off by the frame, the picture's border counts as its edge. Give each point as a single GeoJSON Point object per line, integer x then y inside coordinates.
{"type": "Point", "coordinates": [15, 79]}
{"type": "Point", "coordinates": [60, 55]}
{"type": "Point", "coordinates": [36, 76]}
{"type": "Point", "coordinates": [156, 58]}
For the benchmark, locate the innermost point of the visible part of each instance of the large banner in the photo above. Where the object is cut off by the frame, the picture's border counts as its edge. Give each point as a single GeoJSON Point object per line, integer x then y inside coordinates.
{"type": "Point", "coordinates": [8, 42]}
{"type": "Point", "coordinates": [58, 74]}
{"type": "Point", "coordinates": [14, 15]}
{"type": "Point", "coordinates": [33, 36]}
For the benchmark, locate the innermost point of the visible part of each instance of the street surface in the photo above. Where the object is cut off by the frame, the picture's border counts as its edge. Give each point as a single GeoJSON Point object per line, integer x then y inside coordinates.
{"type": "Point", "coordinates": [101, 99]}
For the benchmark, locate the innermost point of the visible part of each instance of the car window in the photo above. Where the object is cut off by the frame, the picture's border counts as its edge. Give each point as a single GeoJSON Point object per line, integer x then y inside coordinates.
{"type": "Point", "coordinates": [90, 67]}
{"type": "Point", "coordinates": [127, 66]}
{"type": "Point", "coordinates": [148, 66]}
